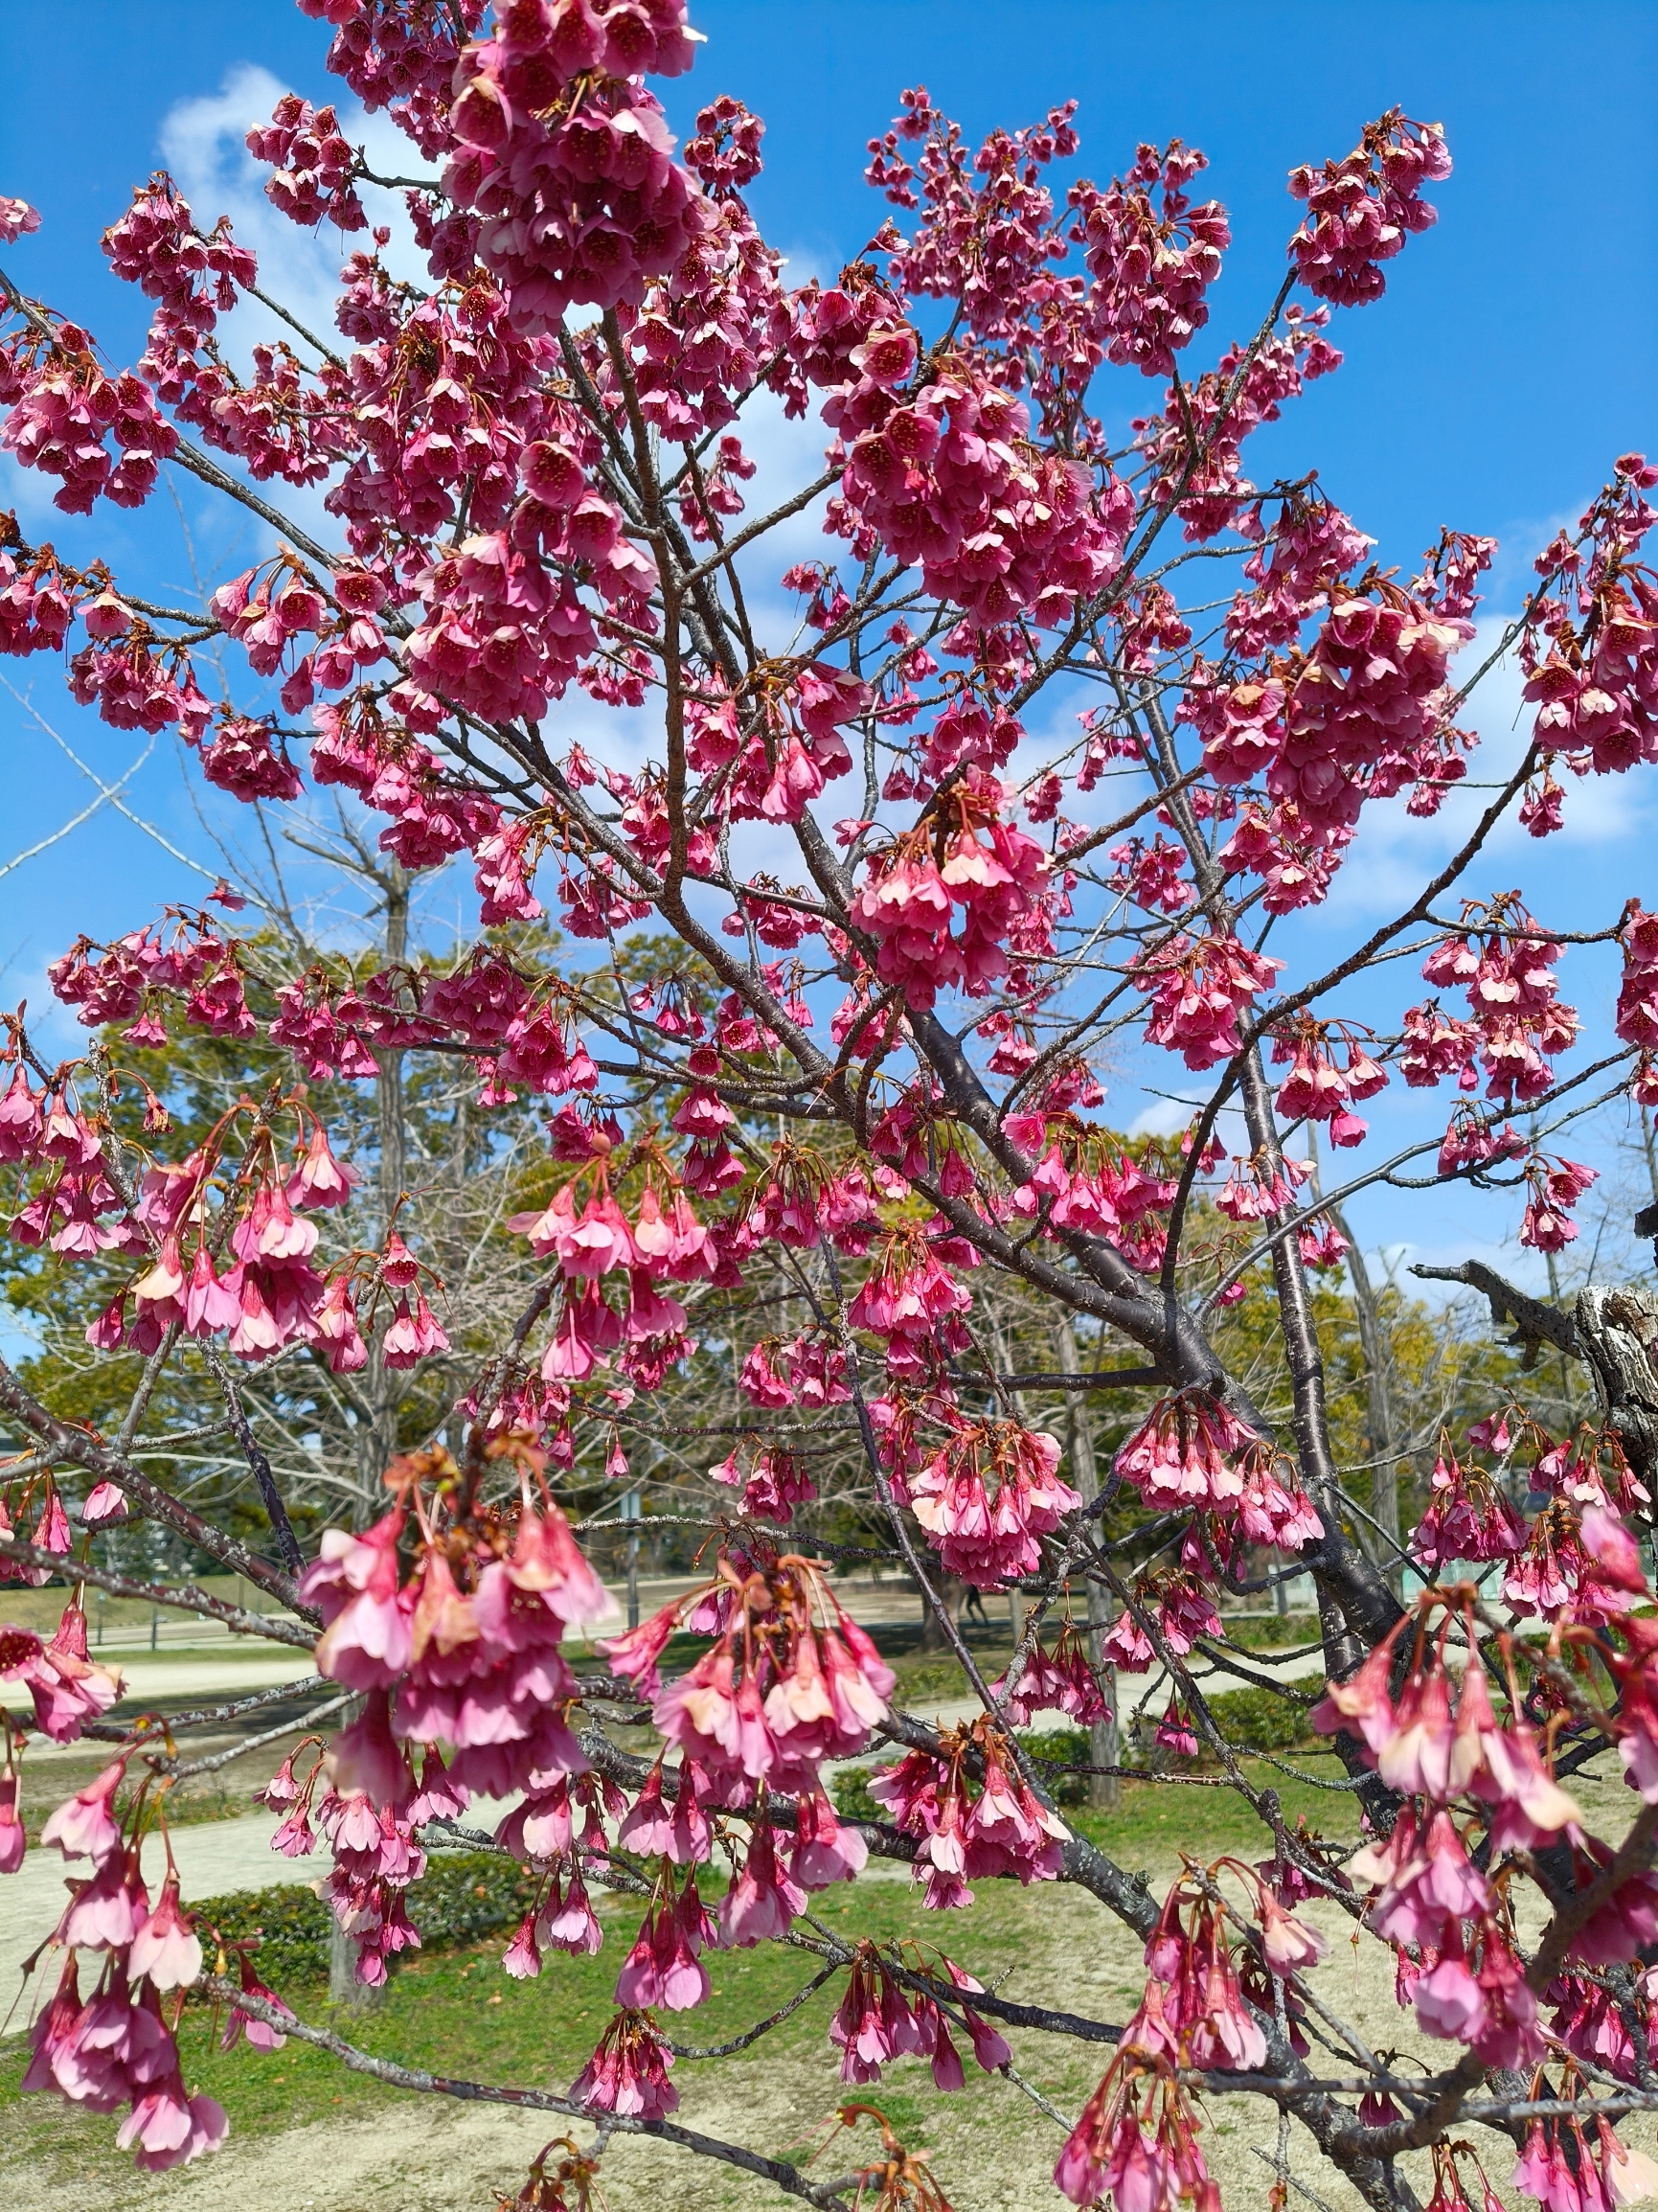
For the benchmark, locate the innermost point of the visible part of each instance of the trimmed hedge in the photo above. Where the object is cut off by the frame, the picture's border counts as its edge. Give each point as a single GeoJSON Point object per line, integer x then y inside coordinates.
{"type": "Point", "coordinates": [1049, 1747]}
{"type": "Point", "coordinates": [1061, 1748]}
{"type": "Point", "coordinates": [463, 1896]}
{"type": "Point", "coordinates": [1251, 1720]}
{"type": "Point", "coordinates": [1262, 1719]}
{"type": "Point", "coordinates": [849, 1790]}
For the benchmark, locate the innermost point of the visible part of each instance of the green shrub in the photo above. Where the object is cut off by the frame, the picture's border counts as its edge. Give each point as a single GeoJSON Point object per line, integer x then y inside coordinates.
{"type": "Point", "coordinates": [462, 1897]}
{"type": "Point", "coordinates": [1270, 1632]}
{"type": "Point", "coordinates": [850, 1790]}
{"type": "Point", "coordinates": [1050, 1748]}
{"type": "Point", "coordinates": [1261, 1720]}
{"type": "Point", "coordinates": [291, 1923]}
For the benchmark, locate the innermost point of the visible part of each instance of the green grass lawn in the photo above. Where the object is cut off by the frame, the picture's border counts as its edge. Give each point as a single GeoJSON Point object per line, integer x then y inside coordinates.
{"type": "Point", "coordinates": [450, 2010]}
{"type": "Point", "coordinates": [1270, 1632]}
{"type": "Point", "coordinates": [1159, 1820]}
{"type": "Point", "coordinates": [455, 2012]}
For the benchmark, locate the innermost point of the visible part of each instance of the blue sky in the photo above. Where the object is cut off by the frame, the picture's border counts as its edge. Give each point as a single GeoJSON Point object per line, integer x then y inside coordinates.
{"type": "Point", "coordinates": [1511, 359]}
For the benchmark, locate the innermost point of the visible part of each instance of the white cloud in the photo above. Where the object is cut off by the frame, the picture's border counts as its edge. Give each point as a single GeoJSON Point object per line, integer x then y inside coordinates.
{"type": "Point", "coordinates": [787, 455]}
{"type": "Point", "coordinates": [30, 496]}
{"type": "Point", "coordinates": [1162, 1117]}
{"type": "Point", "coordinates": [1598, 809]}
{"type": "Point", "coordinates": [1167, 1117]}
{"type": "Point", "coordinates": [203, 144]}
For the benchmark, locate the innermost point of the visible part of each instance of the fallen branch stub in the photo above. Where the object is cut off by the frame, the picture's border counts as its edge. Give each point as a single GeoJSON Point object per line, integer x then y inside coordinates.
{"type": "Point", "coordinates": [1537, 1323]}
{"type": "Point", "coordinates": [1614, 1330]}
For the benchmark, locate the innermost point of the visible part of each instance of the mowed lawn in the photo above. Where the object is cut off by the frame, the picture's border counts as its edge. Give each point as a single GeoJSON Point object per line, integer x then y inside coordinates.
{"type": "Point", "coordinates": [455, 2012]}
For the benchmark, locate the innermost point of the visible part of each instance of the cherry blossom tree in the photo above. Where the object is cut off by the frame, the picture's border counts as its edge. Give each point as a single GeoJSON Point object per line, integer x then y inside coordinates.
{"type": "Point", "coordinates": [856, 933]}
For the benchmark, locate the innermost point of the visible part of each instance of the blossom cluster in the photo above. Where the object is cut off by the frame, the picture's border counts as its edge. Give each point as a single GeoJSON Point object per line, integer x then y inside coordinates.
{"type": "Point", "coordinates": [1504, 965]}
{"type": "Point", "coordinates": [974, 1812]}
{"type": "Point", "coordinates": [780, 1690]}
{"type": "Point", "coordinates": [115, 2045]}
{"type": "Point", "coordinates": [941, 472]}
{"type": "Point", "coordinates": [566, 158]}
{"type": "Point", "coordinates": [1461, 1969]}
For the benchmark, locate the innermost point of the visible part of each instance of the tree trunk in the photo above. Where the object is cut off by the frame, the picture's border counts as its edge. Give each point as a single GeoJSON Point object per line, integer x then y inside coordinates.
{"type": "Point", "coordinates": [1617, 1332]}
{"type": "Point", "coordinates": [950, 1588]}
{"type": "Point", "coordinates": [1381, 1541]}
{"type": "Point", "coordinates": [377, 1438]}
{"type": "Point", "coordinates": [344, 1987]}
{"type": "Point", "coordinates": [1105, 1737]}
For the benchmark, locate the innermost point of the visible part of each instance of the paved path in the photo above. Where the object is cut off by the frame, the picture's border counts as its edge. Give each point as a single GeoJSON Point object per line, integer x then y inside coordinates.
{"type": "Point", "coordinates": [212, 1676]}
{"type": "Point", "coordinates": [211, 1857]}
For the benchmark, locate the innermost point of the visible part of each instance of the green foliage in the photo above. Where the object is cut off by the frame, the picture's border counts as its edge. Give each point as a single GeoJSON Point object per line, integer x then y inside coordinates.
{"type": "Point", "coordinates": [1060, 1748]}
{"type": "Point", "coordinates": [1271, 1631]}
{"type": "Point", "coordinates": [922, 1675]}
{"type": "Point", "coordinates": [290, 1922]}
{"type": "Point", "coordinates": [1439, 1373]}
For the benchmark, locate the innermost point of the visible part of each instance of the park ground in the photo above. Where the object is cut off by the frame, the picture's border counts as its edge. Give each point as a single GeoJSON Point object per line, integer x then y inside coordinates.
{"type": "Point", "coordinates": [309, 2136]}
